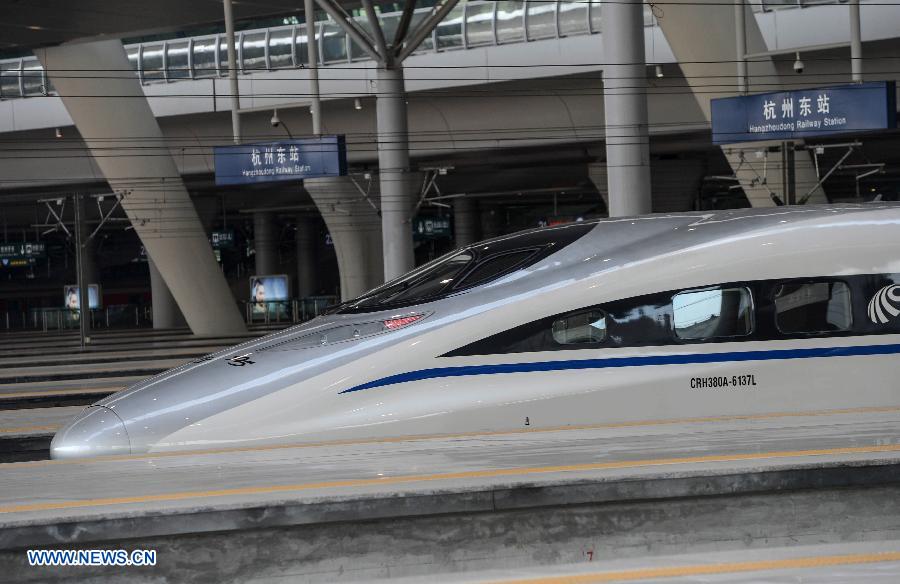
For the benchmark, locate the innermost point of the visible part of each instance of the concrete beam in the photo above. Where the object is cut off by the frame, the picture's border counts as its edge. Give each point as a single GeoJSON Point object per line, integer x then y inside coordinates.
{"type": "Point", "coordinates": [124, 138]}
{"type": "Point", "coordinates": [355, 229]}
{"type": "Point", "coordinates": [166, 314]}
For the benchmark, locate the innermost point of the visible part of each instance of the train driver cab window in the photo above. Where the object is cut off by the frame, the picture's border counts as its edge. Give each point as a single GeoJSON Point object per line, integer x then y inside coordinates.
{"type": "Point", "coordinates": [435, 280]}
{"type": "Point", "coordinates": [813, 307]}
{"type": "Point", "coordinates": [588, 326]}
{"type": "Point", "coordinates": [712, 314]}
{"type": "Point", "coordinates": [495, 267]}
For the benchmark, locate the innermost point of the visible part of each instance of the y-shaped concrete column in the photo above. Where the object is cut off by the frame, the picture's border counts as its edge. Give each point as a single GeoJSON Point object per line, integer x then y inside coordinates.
{"type": "Point", "coordinates": [355, 229]}
{"type": "Point", "coordinates": [108, 106]}
{"type": "Point", "coordinates": [393, 168]}
{"type": "Point", "coordinates": [165, 310]}
{"type": "Point", "coordinates": [625, 107]}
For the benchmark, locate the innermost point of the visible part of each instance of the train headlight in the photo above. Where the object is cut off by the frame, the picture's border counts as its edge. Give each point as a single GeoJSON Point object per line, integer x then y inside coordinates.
{"type": "Point", "coordinates": [398, 323]}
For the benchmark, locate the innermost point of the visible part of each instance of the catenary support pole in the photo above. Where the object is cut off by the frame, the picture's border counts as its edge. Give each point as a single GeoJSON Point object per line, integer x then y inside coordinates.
{"type": "Point", "coordinates": [740, 37]}
{"type": "Point", "coordinates": [84, 304]}
{"type": "Point", "coordinates": [232, 73]}
{"type": "Point", "coordinates": [625, 99]}
{"type": "Point", "coordinates": [315, 103]}
{"type": "Point", "coordinates": [856, 62]}
{"type": "Point", "coordinates": [393, 163]}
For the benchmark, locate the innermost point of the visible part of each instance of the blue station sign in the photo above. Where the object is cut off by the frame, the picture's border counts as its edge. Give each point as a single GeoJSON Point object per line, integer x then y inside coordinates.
{"type": "Point", "coordinates": [805, 113]}
{"type": "Point", "coordinates": [281, 161]}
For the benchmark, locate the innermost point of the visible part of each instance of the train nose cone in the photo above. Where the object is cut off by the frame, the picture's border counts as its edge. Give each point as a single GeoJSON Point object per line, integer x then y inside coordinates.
{"type": "Point", "coordinates": [97, 431]}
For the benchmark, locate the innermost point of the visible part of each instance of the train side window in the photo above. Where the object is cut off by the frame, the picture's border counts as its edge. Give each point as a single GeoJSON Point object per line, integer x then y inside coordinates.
{"type": "Point", "coordinates": [711, 314]}
{"type": "Point", "coordinates": [813, 307]}
{"type": "Point", "coordinates": [588, 326]}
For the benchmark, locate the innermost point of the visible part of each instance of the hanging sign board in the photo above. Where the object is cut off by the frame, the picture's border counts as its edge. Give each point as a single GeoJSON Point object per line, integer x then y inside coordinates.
{"type": "Point", "coordinates": [431, 227]}
{"type": "Point", "coordinates": [281, 161]}
{"type": "Point", "coordinates": [222, 239]}
{"type": "Point", "coordinates": [22, 250]}
{"type": "Point", "coordinates": [19, 255]}
{"type": "Point", "coordinates": [805, 113]}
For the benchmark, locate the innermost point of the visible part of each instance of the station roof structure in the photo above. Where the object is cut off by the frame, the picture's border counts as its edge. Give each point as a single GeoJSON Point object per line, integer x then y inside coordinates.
{"type": "Point", "coordinates": [29, 24]}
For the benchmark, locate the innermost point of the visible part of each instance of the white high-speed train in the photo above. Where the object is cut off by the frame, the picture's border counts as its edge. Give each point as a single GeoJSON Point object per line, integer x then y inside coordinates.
{"type": "Point", "coordinates": [634, 319]}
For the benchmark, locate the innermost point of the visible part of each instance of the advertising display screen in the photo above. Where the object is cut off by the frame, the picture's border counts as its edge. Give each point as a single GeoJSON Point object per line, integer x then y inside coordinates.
{"type": "Point", "coordinates": [72, 299]}
{"type": "Point", "coordinates": [269, 294]}
{"type": "Point", "coordinates": [269, 288]}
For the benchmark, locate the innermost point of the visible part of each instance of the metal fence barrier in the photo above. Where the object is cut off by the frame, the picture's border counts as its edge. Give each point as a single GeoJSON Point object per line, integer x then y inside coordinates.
{"type": "Point", "coordinates": [141, 315]}
{"type": "Point", "coordinates": [287, 311]}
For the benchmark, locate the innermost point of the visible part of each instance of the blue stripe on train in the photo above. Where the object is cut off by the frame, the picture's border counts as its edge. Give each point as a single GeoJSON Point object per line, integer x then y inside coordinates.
{"type": "Point", "coordinates": [571, 364]}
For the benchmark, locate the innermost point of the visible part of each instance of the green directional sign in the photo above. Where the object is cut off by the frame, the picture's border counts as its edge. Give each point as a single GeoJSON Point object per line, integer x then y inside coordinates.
{"type": "Point", "coordinates": [425, 227]}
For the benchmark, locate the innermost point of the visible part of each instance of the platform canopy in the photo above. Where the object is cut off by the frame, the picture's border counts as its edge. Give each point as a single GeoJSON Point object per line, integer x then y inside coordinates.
{"type": "Point", "coordinates": [39, 23]}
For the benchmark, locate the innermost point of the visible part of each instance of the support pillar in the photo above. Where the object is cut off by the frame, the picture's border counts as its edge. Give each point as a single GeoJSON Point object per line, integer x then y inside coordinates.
{"type": "Point", "coordinates": [233, 87]}
{"type": "Point", "coordinates": [153, 194]}
{"type": "Point", "coordinates": [491, 223]}
{"type": "Point", "coordinates": [355, 229]}
{"type": "Point", "coordinates": [166, 314]}
{"type": "Point", "coordinates": [740, 38]}
{"type": "Point", "coordinates": [307, 283]}
{"type": "Point", "coordinates": [625, 99]}
{"type": "Point", "coordinates": [393, 162]}
{"type": "Point", "coordinates": [856, 57]}
{"type": "Point", "coordinates": [465, 221]}
{"type": "Point", "coordinates": [265, 242]}
{"type": "Point", "coordinates": [312, 46]}
{"type": "Point", "coordinates": [600, 178]}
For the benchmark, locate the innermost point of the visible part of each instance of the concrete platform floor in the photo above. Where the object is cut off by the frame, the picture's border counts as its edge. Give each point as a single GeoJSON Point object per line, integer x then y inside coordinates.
{"type": "Point", "coordinates": [35, 421]}
{"type": "Point", "coordinates": [532, 501]}
{"type": "Point", "coordinates": [53, 491]}
{"type": "Point", "coordinates": [851, 562]}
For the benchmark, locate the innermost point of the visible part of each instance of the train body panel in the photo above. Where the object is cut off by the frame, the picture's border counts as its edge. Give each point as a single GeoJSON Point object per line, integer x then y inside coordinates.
{"type": "Point", "coordinates": [541, 399]}
{"type": "Point", "coordinates": [450, 369]}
